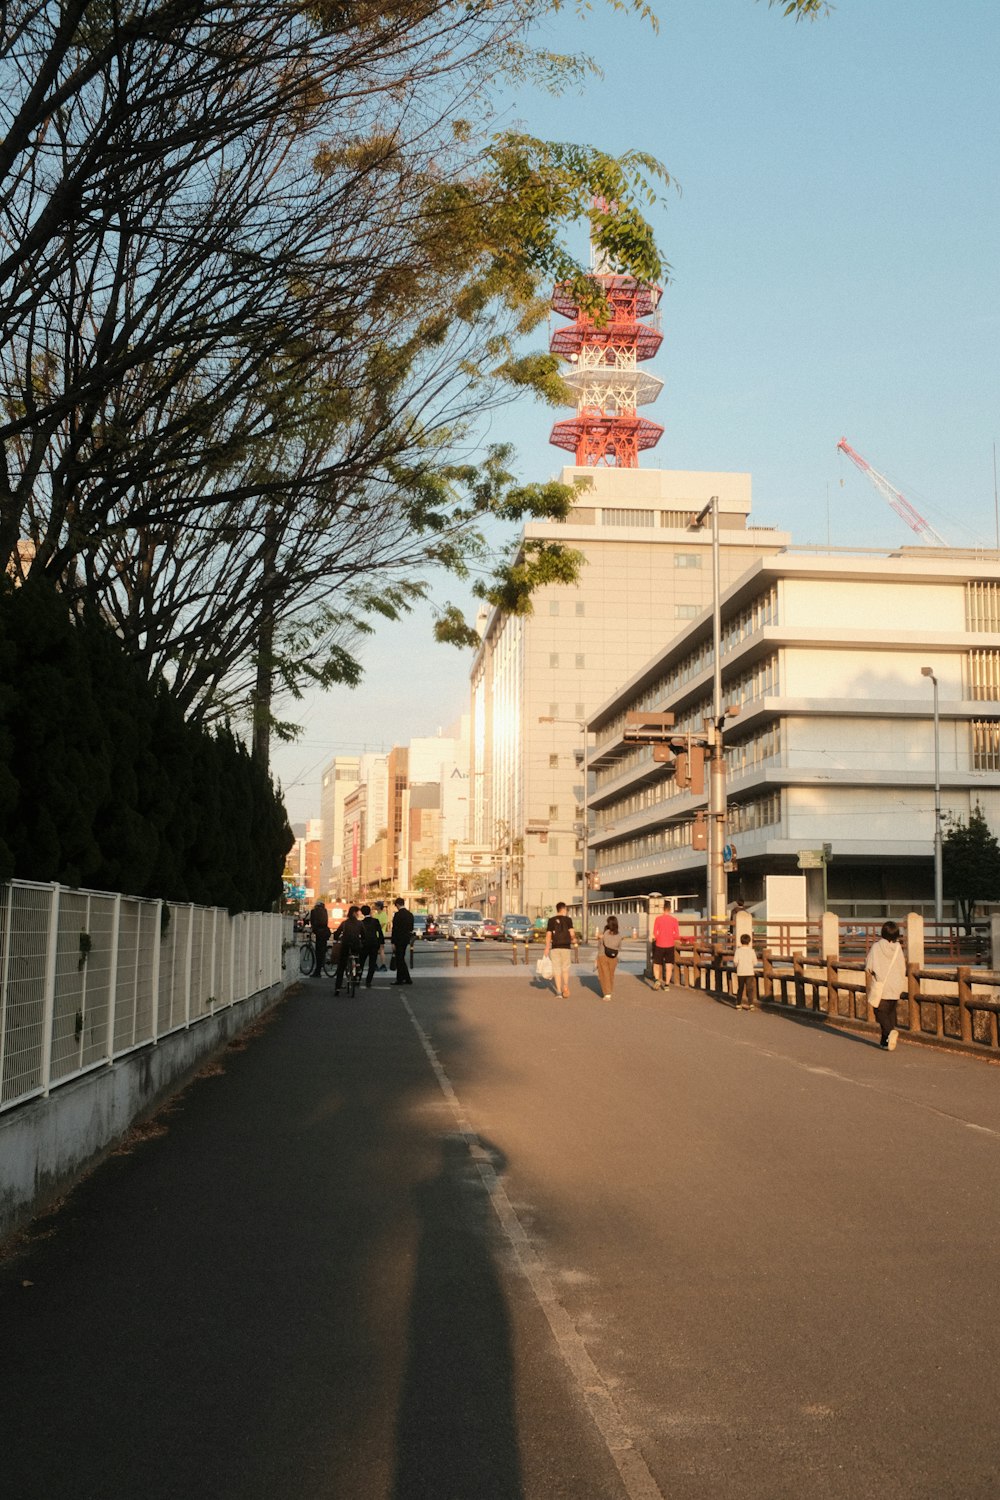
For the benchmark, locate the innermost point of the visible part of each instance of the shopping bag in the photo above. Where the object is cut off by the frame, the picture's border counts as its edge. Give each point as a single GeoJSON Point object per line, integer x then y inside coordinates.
{"type": "Point", "coordinates": [543, 968]}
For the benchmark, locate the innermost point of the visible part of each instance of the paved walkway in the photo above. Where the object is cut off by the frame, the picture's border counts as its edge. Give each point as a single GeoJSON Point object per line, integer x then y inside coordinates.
{"type": "Point", "coordinates": [466, 1240]}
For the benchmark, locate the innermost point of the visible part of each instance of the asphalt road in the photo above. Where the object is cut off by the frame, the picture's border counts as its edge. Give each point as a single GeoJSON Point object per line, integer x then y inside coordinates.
{"type": "Point", "coordinates": [467, 1240]}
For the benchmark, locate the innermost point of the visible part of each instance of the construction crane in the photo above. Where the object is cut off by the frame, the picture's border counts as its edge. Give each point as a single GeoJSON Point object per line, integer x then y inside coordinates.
{"type": "Point", "coordinates": [899, 502]}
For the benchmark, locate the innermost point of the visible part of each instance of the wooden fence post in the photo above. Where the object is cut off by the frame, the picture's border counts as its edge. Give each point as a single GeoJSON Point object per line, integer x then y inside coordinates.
{"type": "Point", "coordinates": [766, 975]}
{"type": "Point", "coordinates": [964, 995]}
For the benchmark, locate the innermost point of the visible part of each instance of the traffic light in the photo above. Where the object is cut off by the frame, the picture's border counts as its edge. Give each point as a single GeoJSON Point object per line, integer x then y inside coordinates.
{"type": "Point", "coordinates": [696, 772]}
{"type": "Point", "coordinates": [699, 832]}
{"type": "Point", "coordinates": [689, 764]}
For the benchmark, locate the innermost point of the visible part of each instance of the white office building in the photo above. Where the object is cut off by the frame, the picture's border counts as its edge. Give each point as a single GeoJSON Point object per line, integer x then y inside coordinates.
{"type": "Point", "coordinates": [834, 743]}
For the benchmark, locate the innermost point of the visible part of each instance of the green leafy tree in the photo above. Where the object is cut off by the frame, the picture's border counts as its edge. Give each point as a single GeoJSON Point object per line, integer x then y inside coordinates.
{"type": "Point", "coordinates": [263, 266]}
{"type": "Point", "coordinates": [970, 864]}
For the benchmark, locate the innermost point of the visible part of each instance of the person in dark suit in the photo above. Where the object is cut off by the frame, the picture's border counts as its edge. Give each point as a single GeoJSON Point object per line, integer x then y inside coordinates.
{"type": "Point", "coordinates": [402, 932]}
{"type": "Point", "coordinates": [374, 942]}
{"type": "Point", "coordinates": [319, 921]}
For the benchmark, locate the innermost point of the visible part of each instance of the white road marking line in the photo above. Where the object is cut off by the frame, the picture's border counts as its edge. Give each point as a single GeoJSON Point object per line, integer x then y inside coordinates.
{"type": "Point", "coordinates": [635, 1476]}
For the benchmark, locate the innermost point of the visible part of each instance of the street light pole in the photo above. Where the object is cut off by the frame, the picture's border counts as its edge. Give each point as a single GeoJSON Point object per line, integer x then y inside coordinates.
{"type": "Point", "coordinates": [938, 851]}
{"type": "Point", "coordinates": [717, 891]}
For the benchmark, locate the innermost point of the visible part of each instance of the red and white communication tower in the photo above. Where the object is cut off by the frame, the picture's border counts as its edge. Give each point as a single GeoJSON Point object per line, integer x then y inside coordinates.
{"type": "Point", "coordinates": [898, 501]}
{"type": "Point", "coordinates": [604, 372]}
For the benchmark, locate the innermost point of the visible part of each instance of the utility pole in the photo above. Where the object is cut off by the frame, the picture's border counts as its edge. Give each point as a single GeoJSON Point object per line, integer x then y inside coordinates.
{"type": "Point", "coordinates": [938, 850]}
{"type": "Point", "coordinates": [717, 888]}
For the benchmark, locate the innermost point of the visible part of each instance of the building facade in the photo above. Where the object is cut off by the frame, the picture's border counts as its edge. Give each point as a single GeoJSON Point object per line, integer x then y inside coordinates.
{"type": "Point", "coordinates": [338, 779]}
{"type": "Point", "coordinates": [833, 748]}
{"type": "Point", "coordinates": [536, 678]}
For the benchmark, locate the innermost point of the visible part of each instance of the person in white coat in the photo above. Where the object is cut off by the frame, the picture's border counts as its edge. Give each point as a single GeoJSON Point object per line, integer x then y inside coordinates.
{"type": "Point", "coordinates": [885, 968]}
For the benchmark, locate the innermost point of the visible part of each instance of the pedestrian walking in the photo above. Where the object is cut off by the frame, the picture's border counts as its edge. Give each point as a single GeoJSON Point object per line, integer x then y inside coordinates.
{"type": "Point", "coordinates": [351, 936]}
{"type": "Point", "coordinates": [608, 944]}
{"type": "Point", "coordinates": [745, 965]}
{"type": "Point", "coordinates": [402, 932]}
{"type": "Point", "coordinates": [559, 940]}
{"type": "Point", "coordinates": [666, 931]}
{"type": "Point", "coordinates": [319, 922]}
{"type": "Point", "coordinates": [382, 918]}
{"type": "Point", "coordinates": [885, 968]}
{"type": "Point", "coordinates": [374, 943]}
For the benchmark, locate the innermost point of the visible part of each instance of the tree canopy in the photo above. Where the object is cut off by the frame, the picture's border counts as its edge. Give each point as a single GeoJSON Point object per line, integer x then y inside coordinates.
{"type": "Point", "coordinates": [970, 863]}
{"type": "Point", "coordinates": [263, 266]}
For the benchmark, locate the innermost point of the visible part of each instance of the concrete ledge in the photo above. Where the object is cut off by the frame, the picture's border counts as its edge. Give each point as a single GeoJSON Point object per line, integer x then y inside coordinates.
{"type": "Point", "coordinates": [46, 1144]}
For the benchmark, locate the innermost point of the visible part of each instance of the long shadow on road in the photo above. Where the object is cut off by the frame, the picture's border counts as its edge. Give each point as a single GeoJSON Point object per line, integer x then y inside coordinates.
{"type": "Point", "coordinates": [457, 1432]}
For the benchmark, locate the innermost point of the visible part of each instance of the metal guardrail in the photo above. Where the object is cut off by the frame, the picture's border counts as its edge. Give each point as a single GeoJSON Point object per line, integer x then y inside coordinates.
{"type": "Point", "coordinates": [88, 976]}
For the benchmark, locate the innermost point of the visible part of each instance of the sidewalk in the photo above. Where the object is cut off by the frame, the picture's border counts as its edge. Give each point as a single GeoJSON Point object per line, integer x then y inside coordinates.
{"type": "Point", "coordinates": [290, 1286]}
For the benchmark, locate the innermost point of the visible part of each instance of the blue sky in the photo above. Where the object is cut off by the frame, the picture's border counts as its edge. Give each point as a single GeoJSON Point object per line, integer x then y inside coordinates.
{"type": "Point", "coordinates": [833, 251]}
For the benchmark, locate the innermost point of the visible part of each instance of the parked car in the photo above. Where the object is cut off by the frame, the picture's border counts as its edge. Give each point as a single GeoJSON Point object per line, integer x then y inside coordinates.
{"type": "Point", "coordinates": [516, 928]}
{"type": "Point", "coordinates": [491, 929]}
{"type": "Point", "coordinates": [465, 923]}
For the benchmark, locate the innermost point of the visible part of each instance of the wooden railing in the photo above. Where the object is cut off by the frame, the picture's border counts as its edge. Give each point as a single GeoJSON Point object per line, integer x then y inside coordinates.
{"type": "Point", "coordinates": [959, 1005]}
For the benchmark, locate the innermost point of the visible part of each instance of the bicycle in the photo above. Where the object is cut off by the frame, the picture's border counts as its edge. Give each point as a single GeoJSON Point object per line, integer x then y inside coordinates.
{"type": "Point", "coordinates": [307, 960]}
{"type": "Point", "coordinates": [352, 973]}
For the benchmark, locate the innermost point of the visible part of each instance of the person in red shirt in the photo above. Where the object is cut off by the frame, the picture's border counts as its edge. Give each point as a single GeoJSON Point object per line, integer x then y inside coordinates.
{"type": "Point", "coordinates": [666, 931]}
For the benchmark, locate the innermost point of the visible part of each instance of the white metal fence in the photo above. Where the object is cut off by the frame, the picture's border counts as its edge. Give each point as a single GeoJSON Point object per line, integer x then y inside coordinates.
{"type": "Point", "coordinates": [86, 976]}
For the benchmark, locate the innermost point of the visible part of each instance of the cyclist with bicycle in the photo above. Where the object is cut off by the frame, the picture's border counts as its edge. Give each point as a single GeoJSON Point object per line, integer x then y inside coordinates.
{"type": "Point", "coordinates": [351, 937]}
{"type": "Point", "coordinates": [319, 921]}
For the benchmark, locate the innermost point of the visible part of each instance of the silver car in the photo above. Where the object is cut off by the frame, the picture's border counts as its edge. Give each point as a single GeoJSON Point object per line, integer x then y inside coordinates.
{"type": "Point", "coordinates": [465, 924]}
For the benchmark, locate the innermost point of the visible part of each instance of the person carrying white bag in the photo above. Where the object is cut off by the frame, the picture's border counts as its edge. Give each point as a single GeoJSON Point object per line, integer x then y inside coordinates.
{"type": "Point", "coordinates": [885, 968]}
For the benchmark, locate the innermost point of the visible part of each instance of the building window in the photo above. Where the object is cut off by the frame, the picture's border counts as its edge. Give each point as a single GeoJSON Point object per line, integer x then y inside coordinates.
{"type": "Point", "coordinates": [762, 812]}
{"type": "Point", "coordinates": [580, 607]}
{"type": "Point", "coordinates": [553, 658]}
{"type": "Point", "coordinates": [628, 517]}
{"type": "Point", "coordinates": [553, 845]}
{"type": "Point", "coordinates": [983, 674]}
{"type": "Point", "coordinates": [687, 559]}
{"type": "Point", "coordinates": [679, 520]}
{"type": "Point", "coordinates": [553, 710]}
{"type": "Point", "coordinates": [553, 762]}
{"type": "Point", "coordinates": [553, 810]}
{"type": "Point", "coordinates": [986, 744]}
{"type": "Point", "coordinates": [686, 611]}
{"type": "Point", "coordinates": [982, 606]}
{"type": "Point", "coordinates": [578, 710]}
{"type": "Point", "coordinates": [580, 659]}
{"type": "Point", "coordinates": [553, 606]}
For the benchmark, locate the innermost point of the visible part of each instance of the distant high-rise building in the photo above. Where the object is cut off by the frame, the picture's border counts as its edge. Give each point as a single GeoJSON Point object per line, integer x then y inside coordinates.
{"type": "Point", "coordinates": [339, 778]}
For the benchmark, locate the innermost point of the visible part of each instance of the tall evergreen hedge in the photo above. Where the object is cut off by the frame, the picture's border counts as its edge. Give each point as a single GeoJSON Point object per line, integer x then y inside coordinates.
{"type": "Point", "coordinates": [104, 784]}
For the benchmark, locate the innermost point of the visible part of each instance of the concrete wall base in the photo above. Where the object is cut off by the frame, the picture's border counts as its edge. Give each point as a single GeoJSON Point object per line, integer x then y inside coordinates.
{"type": "Point", "coordinates": [47, 1144]}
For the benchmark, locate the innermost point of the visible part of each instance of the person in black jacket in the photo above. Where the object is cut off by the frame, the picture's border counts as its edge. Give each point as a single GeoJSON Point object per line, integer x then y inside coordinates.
{"type": "Point", "coordinates": [351, 936]}
{"type": "Point", "coordinates": [319, 921]}
{"type": "Point", "coordinates": [402, 932]}
{"type": "Point", "coordinates": [374, 942]}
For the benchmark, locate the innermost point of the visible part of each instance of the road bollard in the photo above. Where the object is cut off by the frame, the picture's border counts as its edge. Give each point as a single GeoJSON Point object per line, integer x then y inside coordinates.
{"type": "Point", "coordinates": [513, 948]}
{"type": "Point", "coordinates": [454, 949]}
{"type": "Point", "coordinates": [468, 953]}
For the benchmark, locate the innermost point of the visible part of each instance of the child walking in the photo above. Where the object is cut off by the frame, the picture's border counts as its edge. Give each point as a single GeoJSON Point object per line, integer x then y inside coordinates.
{"type": "Point", "coordinates": [745, 965]}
